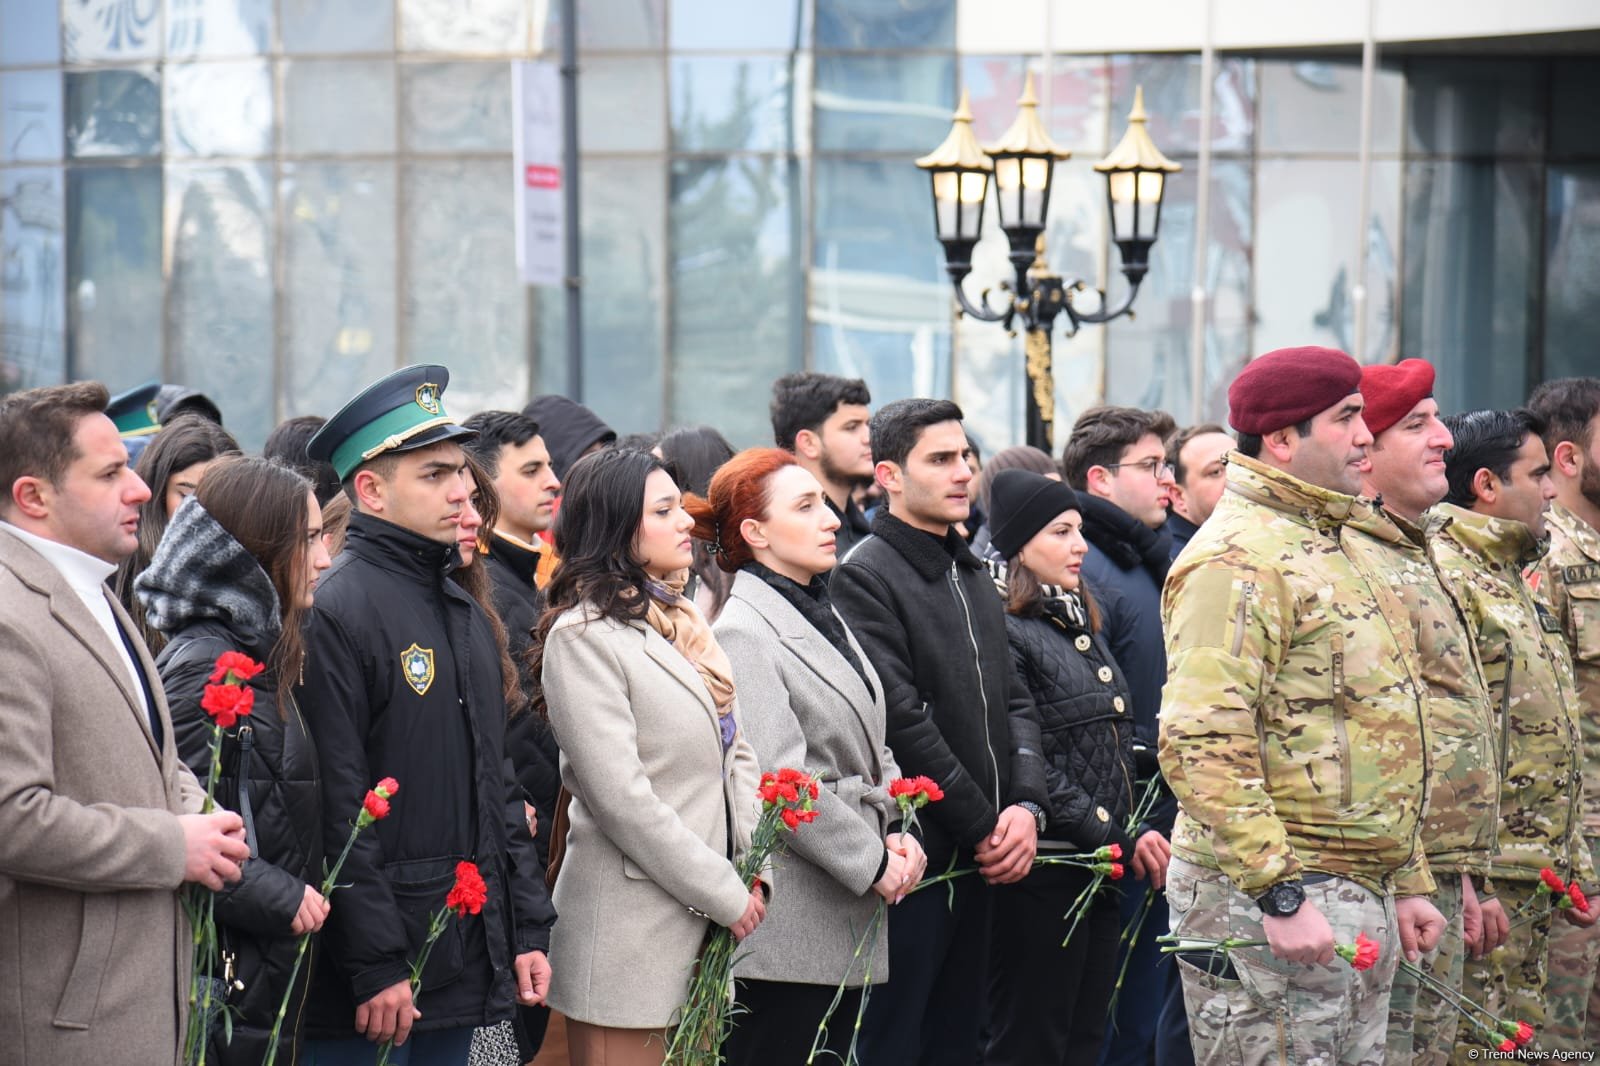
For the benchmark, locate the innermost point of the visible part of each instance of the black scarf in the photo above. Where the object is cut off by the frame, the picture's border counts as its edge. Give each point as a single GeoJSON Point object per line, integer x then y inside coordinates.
{"type": "Point", "coordinates": [1124, 539]}
{"type": "Point", "coordinates": [815, 607]}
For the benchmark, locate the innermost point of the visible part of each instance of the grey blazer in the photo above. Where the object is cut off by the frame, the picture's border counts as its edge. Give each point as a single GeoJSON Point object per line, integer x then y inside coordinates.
{"type": "Point", "coordinates": [94, 952]}
{"type": "Point", "coordinates": [802, 705]}
{"type": "Point", "coordinates": [649, 840]}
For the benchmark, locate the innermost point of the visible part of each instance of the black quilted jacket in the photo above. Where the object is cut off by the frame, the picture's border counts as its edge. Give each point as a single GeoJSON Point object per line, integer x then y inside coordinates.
{"type": "Point", "coordinates": [1086, 717]}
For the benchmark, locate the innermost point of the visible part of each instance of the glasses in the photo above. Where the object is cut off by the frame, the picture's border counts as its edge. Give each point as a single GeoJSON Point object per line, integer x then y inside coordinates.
{"type": "Point", "coordinates": [1156, 468]}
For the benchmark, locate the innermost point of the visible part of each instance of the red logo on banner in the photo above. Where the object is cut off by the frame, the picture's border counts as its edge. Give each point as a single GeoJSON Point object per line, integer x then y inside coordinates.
{"type": "Point", "coordinates": [537, 177]}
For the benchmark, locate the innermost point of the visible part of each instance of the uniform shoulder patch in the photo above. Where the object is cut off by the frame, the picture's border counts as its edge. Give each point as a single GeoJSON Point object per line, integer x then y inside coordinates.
{"type": "Point", "coordinates": [417, 666]}
{"type": "Point", "coordinates": [1586, 574]}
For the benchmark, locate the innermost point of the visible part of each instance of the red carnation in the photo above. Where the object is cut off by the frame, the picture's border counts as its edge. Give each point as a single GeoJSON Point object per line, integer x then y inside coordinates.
{"type": "Point", "coordinates": [1579, 900]}
{"type": "Point", "coordinates": [1508, 1045]}
{"type": "Point", "coordinates": [923, 787]}
{"type": "Point", "coordinates": [1524, 1033]}
{"type": "Point", "coordinates": [240, 665]}
{"type": "Point", "coordinates": [387, 788]}
{"type": "Point", "coordinates": [1549, 882]}
{"type": "Point", "coordinates": [1362, 955]}
{"type": "Point", "coordinates": [376, 806]}
{"type": "Point", "coordinates": [469, 893]}
{"type": "Point", "coordinates": [226, 704]}
{"type": "Point", "coordinates": [1115, 851]}
{"type": "Point", "coordinates": [1116, 871]}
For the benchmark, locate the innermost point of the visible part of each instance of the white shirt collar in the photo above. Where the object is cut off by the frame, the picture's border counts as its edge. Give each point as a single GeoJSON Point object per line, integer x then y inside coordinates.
{"type": "Point", "coordinates": [84, 572]}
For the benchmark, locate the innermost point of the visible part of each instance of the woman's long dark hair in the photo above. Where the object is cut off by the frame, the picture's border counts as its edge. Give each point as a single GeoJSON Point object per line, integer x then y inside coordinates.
{"type": "Point", "coordinates": [477, 583]}
{"type": "Point", "coordinates": [1025, 595]}
{"type": "Point", "coordinates": [262, 505]}
{"type": "Point", "coordinates": [693, 456]}
{"type": "Point", "coordinates": [602, 504]}
{"type": "Point", "coordinates": [183, 442]}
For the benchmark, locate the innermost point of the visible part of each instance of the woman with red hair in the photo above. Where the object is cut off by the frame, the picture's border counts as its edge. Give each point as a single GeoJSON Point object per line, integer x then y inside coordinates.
{"type": "Point", "coordinates": [808, 698]}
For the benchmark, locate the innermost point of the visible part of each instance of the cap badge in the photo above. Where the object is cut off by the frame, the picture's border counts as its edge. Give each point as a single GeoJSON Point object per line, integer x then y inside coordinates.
{"type": "Point", "coordinates": [428, 398]}
{"type": "Point", "coordinates": [417, 664]}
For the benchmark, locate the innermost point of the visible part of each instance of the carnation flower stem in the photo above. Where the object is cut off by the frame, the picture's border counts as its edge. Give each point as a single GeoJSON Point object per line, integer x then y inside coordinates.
{"type": "Point", "coordinates": [1130, 937]}
{"type": "Point", "coordinates": [436, 924]}
{"type": "Point", "coordinates": [867, 939]}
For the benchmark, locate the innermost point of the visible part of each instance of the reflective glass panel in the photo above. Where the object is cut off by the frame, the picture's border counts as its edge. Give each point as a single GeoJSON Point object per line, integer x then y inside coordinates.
{"type": "Point", "coordinates": [1471, 264]}
{"type": "Point", "coordinates": [347, 26]}
{"type": "Point", "coordinates": [1572, 269]}
{"type": "Point", "coordinates": [361, 124]}
{"type": "Point", "coordinates": [624, 298]}
{"type": "Point", "coordinates": [456, 107]}
{"type": "Point", "coordinates": [489, 27]}
{"type": "Point", "coordinates": [1306, 248]}
{"type": "Point", "coordinates": [110, 30]}
{"type": "Point", "coordinates": [30, 32]}
{"type": "Point", "coordinates": [114, 289]}
{"type": "Point", "coordinates": [886, 24]}
{"type": "Point", "coordinates": [736, 289]}
{"type": "Point", "coordinates": [880, 304]}
{"type": "Point", "coordinates": [220, 292]}
{"type": "Point", "coordinates": [462, 303]}
{"type": "Point", "coordinates": [1314, 106]}
{"type": "Point", "coordinates": [1072, 98]}
{"type": "Point", "coordinates": [113, 113]}
{"type": "Point", "coordinates": [1574, 120]}
{"type": "Point", "coordinates": [339, 288]}
{"type": "Point", "coordinates": [883, 103]}
{"type": "Point", "coordinates": [30, 116]}
{"type": "Point", "coordinates": [218, 28]}
{"type": "Point", "coordinates": [195, 126]}
{"type": "Point", "coordinates": [1172, 100]}
{"type": "Point", "coordinates": [1475, 107]}
{"type": "Point", "coordinates": [611, 25]}
{"type": "Point", "coordinates": [32, 286]}
{"type": "Point", "coordinates": [731, 103]}
{"type": "Point", "coordinates": [621, 106]}
{"type": "Point", "coordinates": [772, 24]}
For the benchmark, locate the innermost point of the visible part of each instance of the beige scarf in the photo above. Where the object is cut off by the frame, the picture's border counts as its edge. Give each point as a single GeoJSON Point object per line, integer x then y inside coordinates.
{"type": "Point", "coordinates": [678, 620]}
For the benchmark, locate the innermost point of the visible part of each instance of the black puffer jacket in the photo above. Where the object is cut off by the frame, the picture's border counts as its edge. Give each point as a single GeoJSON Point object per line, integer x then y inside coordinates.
{"type": "Point", "coordinates": [209, 596]}
{"type": "Point", "coordinates": [1086, 719]}
{"type": "Point", "coordinates": [926, 614]}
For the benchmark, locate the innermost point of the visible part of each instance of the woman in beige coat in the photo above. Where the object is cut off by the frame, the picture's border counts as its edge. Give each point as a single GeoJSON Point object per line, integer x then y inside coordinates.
{"type": "Point", "coordinates": [662, 783]}
{"type": "Point", "coordinates": [809, 699]}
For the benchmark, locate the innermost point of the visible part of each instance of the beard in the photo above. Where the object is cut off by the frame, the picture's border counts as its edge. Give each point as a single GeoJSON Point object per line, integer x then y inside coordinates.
{"type": "Point", "coordinates": [1589, 483]}
{"type": "Point", "coordinates": [833, 474]}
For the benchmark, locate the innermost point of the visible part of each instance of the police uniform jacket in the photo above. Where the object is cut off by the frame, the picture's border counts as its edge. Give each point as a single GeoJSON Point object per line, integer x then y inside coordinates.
{"type": "Point", "coordinates": [403, 680]}
{"type": "Point", "coordinates": [926, 613]}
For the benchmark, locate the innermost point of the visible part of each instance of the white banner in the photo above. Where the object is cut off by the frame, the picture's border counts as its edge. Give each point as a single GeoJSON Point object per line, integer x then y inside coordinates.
{"type": "Point", "coordinates": [536, 134]}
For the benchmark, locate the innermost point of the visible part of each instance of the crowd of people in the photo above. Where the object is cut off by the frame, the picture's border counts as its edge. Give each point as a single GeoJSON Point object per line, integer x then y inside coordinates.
{"type": "Point", "coordinates": [1332, 678]}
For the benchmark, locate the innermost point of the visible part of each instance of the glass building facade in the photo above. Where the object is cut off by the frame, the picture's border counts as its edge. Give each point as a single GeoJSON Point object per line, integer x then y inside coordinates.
{"type": "Point", "coordinates": [277, 200]}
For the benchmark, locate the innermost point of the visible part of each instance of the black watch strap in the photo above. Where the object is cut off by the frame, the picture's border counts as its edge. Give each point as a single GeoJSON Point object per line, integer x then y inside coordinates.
{"type": "Point", "coordinates": [1282, 899]}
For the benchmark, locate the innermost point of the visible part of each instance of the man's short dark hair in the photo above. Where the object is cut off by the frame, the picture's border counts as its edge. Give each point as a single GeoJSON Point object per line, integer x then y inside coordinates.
{"type": "Point", "coordinates": [1567, 407]}
{"type": "Point", "coordinates": [1249, 444]}
{"type": "Point", "coordinates": [898, 426]}
{"type": "Point", "coordinates": [38, 430]}
{"type": "Point", "coordinates": [496, 430]}
{"type": "Point", "coordinates": [1485, 440]}
{"type": "Point", "coordinates": [287, 444]}
{"type": "Point", "coordinates": [1180, 439]}
{"type": "Point", "coordinates": [1102, 435]}
{"type": "Point", "coordinates": [808, 399]}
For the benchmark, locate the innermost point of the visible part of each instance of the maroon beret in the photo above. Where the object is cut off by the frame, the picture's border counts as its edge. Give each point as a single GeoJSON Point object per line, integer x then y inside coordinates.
{"type": "Point", "coordinates": [1288, 386]}
{"type": "Point", "coordinates": [1391, 391]}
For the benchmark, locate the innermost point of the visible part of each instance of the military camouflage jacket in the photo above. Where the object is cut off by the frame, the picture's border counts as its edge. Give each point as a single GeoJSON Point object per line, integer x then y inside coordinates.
{"type": "Point", "coordinates": [1525, 662]}
{"type": "Point", "coordinates": [1293, 728]}
{"type": "Point", "coordinates": [1459, 826]}
{"type": "Point", "coordinates": [1569, 578]}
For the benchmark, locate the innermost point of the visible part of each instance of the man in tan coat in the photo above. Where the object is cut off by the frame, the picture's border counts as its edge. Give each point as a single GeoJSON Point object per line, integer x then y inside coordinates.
{"type": "Point", "coordinates": [94, 838]}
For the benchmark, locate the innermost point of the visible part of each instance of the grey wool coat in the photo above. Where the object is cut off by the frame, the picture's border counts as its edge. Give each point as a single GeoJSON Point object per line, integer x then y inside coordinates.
{"type": "Point", "coordinates": [803, 706]}
{"type": "Point", "coordinates": [658, 810]}
{"type": "Point", "coordinates": [93, 942]}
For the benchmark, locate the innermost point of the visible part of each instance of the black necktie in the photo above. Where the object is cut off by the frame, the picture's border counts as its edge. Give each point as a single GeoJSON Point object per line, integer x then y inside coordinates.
{"type": "Point", "coordinates": [144, 683]}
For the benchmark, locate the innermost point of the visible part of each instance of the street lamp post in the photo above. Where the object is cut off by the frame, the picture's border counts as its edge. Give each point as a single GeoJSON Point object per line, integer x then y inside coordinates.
{"type": "Point", "coordinates": [1022, 166]}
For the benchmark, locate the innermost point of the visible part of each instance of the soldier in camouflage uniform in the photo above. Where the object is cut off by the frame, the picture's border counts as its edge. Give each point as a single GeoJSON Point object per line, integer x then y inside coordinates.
{"type": "Point", "coordinates": [1405, 473]}
{"type": "Point", "coordinates": [1569, 577]}
{"type": "Point", "coordinates": [1489, 531]}
{"type": "Point", "coordinates": [1294, 735]}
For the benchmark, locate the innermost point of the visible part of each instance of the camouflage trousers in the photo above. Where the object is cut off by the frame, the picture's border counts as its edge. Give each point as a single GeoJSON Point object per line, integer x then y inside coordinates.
{"type": "Point", "coordinates": [1252, 1009]}
{"type": "Point", "coordinates": [1574, 1007]}
{"type": "Point", "coordinates": [1510, 981]}
{"type": "Point", "coordinates": [1422, 1026]}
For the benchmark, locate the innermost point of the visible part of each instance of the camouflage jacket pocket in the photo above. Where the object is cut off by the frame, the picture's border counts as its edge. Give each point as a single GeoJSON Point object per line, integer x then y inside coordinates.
{"type": "Point", "coordinates": [1583, 599]}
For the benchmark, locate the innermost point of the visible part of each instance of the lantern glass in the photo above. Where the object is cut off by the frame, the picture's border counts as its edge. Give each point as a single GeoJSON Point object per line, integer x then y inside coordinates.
{"type": "Point", "coordinates": [1022, 190]}
{"type": "Point", "coordinates": [1135, 203]}
{"type": "Point", "coordinates": [958, 203]}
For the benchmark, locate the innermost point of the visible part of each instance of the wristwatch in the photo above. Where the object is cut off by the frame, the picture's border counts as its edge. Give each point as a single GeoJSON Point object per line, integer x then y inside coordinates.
{"type": "Point", "coordinates": [1281, 900]}
{"type": "Point", "coordinates": [1039, 820]}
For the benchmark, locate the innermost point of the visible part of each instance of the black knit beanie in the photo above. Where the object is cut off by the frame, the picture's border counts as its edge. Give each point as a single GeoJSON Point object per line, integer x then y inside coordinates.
{"type": "Point", "coordinates": [1020, 504]}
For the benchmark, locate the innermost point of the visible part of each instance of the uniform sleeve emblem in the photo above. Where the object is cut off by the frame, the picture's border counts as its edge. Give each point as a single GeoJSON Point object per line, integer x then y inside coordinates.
{"type": "Point", "coordinates": [417, 666]}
